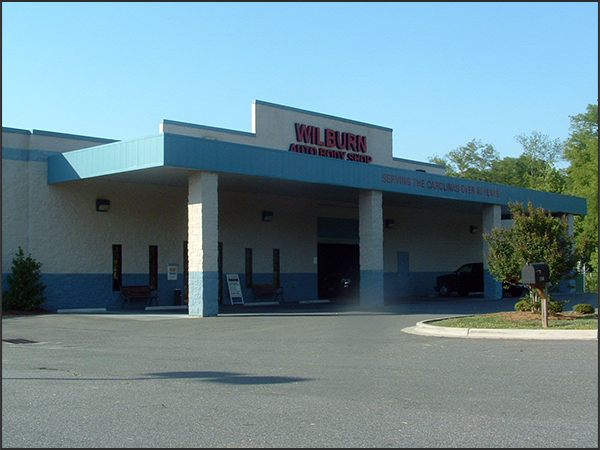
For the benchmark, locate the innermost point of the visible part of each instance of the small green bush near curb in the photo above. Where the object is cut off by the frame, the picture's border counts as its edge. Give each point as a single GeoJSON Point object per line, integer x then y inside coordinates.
{"type": "Point", "coordinates": [553, 306]}
{"type": "Point", "coordinates": [584, 308]}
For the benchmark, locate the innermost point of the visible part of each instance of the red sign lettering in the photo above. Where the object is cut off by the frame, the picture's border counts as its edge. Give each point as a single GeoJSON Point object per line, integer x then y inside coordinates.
{"type": "Point", "coordinates": [329, 139]}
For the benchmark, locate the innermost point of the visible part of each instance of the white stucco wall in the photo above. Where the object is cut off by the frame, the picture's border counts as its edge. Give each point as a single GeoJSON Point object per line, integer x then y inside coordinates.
{"type": "Point", "coordinates": [293, 230]}
{"type": "Point", "coordinates": [60, 227]}
{"type": "Point", "coordinates": [15, 210]}
{"type": "Point", "coordinates": [68, 235]}
{"type": "Point", "coordinates": [436, 240]}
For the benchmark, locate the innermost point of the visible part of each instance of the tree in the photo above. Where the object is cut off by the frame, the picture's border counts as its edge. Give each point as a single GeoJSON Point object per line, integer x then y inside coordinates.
{"type": "Point", "coordinates": [536, 236]}
{"type": "Point", "coordinates": [581, 150]}
{"type": "Point", "coordinates": [511, 172]}
{"type": "Point", "coordinates": [443, 161]}
{"type": "Point", "coordinates": [473, 161]}
{"type": "Point", "coordinates": [25, 288]}
{"type": "Point", "coordinates": [534, 169]}
{"type": "Point", "coordinates": [541, 154]}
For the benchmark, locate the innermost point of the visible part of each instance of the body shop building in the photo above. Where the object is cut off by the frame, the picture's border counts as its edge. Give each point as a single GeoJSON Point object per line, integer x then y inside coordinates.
{"type": "Point", "coordinates": [300, 197]}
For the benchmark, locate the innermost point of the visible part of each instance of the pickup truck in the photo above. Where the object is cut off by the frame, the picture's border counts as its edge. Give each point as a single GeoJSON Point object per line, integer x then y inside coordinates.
{"type": "Point", "coordinates": [466, 279]}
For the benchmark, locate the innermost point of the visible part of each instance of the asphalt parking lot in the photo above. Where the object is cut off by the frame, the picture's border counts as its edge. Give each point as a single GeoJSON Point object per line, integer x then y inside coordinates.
{"type": "Point", "coordinates": [315, 376]}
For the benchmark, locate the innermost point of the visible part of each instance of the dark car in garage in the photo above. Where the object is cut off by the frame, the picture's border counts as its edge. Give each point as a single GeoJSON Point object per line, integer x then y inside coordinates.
{"type": "Point", "coordinates": [340, 285]}
{"type": "Point", "coordinates": [466, 279]}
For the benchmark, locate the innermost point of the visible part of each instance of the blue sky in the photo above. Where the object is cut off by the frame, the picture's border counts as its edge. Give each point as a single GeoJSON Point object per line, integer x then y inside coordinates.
{"type": "Point", "coordinates": [438, 74]}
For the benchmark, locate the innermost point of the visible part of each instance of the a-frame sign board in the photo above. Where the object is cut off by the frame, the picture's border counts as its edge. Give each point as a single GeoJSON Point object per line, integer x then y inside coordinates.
{"type": "Point", "coordinates": [235, 290]}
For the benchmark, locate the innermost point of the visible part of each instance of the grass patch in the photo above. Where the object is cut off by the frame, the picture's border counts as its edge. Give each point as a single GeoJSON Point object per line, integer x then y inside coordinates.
{"type": "Point", "coordinates": [522, 320]}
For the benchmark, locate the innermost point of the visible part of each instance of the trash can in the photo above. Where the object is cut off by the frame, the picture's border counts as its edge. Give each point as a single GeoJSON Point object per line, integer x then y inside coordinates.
{"type": "Point", "coordinates": [177, 296]}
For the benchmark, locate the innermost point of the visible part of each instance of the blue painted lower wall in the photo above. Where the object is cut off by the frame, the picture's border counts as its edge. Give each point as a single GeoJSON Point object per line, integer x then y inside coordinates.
{"type": "Point", "coordinates": [371, 287]}
{"type": "Point", "coordinates": [297, 287]}
{"type": "Point", "coordinates": [412, 284]}
{"type": "Point", "coordinates": [72, 291]}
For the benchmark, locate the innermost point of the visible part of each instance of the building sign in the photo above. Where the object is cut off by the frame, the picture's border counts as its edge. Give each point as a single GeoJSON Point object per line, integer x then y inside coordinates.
{"type": "Point", "coordinates": [330, 143]}
{"type": "Point", "coordinates": [423, 183]}
{"type": "Point", "coordinates": [235, 289]}
{"type": "Point", "coordinates": [172, 271]}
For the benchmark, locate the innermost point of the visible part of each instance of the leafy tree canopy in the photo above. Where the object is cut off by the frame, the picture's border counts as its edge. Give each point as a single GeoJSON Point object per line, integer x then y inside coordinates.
{"type": "Point", "coordinates": [540, 157]}
{"type": "Point", "coordinates": [581, 150]}
{"type": "Point", "coordinates": [536, 236]}
{"type": "Point", "coordinates": [536, 168]}
{"type": "Point", "coordinates": [473, 161]}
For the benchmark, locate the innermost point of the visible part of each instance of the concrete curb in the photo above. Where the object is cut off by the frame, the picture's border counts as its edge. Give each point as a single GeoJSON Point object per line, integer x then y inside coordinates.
{"type": "Point", "coordinates": [424, 329]}
{"type": "Point", "coordinates": [301, 302]}
{"type": "Point", "coordinates": [165, 308]}
{"type": "Point", "coordinates": [81, 311]}
{"type": "Point", "coordinates": [261, 303]}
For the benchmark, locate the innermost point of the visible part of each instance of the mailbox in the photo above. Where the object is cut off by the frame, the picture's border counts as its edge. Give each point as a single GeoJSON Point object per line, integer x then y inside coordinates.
{"type": "Point", "coordinates": [535, 273]}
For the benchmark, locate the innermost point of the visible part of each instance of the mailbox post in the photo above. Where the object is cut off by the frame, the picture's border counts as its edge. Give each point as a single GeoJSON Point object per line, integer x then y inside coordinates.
{"type": "Point", "coordinates": [536, 275]}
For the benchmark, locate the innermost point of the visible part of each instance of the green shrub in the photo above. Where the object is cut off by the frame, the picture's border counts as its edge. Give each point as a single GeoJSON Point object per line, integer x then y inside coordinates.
{"type": "Point", "coordinates": [584, 308]}
{"type": "Point", "coordinates": [524, 305]}
{"type": "Point", "coordinates": [25, 288]}
{"type": "Point", "coordinates": [554, 306]}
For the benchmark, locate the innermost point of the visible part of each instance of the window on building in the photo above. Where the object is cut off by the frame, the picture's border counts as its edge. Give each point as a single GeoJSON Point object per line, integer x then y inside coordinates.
{"type": "Point", "coordinates": [117, 266]}
{"type": "Point", "coordinates": [153, 267]}
{"type": "Point", "coordinates": [249, 268]}
{"type": "Point", "coordinates": [220, 270]}
{"type": "Point", "coordinates": [276, 268]}
{"type": "Point", "coordinates": [186, 274]}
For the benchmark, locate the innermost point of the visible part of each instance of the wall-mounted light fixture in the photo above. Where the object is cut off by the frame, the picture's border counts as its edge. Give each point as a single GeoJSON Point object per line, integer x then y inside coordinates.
{"type": "Point", "coordinates": [473, 229]}
{"type": "Point", "coordinates": [102, 204]}
{"type": "Point", "coordinates": [389, 223]}
{"type": "Point", "coordinates": [267, 216]}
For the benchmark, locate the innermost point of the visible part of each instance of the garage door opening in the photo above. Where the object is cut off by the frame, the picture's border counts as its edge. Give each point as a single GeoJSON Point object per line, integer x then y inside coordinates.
{"type": "Point", "coordinates": [338, 271]}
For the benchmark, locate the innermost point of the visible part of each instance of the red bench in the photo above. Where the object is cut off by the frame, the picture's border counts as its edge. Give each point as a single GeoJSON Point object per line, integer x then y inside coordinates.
{"type": "Point", "coordinates": [129, 293]}
{"type": "Point", "coordinates": [267, 289]}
